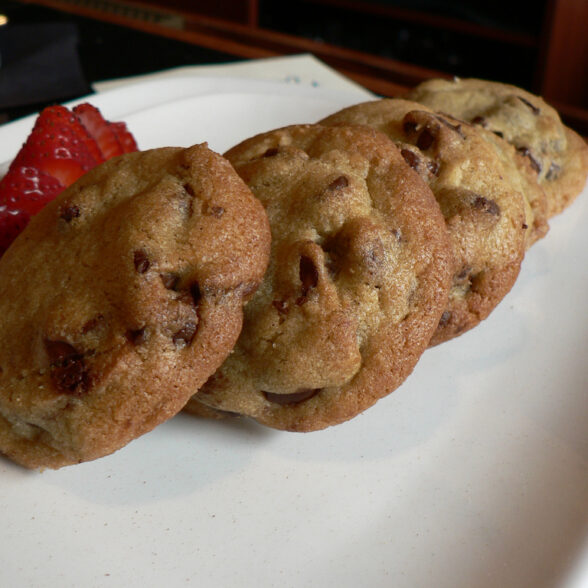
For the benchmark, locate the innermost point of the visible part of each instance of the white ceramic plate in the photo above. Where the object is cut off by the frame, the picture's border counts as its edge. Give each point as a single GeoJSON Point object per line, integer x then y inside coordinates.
{"type": "Point", "coordinates": [474, 473]}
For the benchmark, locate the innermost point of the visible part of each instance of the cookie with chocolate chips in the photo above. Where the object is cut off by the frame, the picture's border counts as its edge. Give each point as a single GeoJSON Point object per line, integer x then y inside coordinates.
{"type": "Point", "coordinates": [480, 196]}
{"type": "Point", "coordinates": [358, 279]}
{"type": "Point", "coordinates": [558, 155]}
{"type": "Point", "coordinates": [120, 298]}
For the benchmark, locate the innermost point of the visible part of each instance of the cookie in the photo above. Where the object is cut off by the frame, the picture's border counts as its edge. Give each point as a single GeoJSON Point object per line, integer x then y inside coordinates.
{"type": "Point", "coordinates": [484, 212]}
{"type": "Point", "coordinates": [358, 279]}
{"type": "Point", "coordinates": [120, 298]}
{"type": "Point", "coordinates": [558, 155]}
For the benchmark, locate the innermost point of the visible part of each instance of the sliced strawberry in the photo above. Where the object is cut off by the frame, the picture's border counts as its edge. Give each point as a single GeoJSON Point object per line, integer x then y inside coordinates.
{"type": "Point", "coordinates": [60, 154]}
{"type": "Point", "coordinates": [27, 189]}
{"type": "Point", "coordinates": [100, 129]}
{"type": "Point", "coordinates": [125, 138]}
{"type": "Point", "coordinates": [12, 223]}
{"type": "Point", "coordinates": [61, 147]}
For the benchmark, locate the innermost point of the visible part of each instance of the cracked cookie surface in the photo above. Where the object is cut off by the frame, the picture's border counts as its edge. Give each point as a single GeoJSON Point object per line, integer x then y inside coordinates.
{"type": "Point", "coordinates": [357, 281]}
{"type": "Point", "coordinates": [557, 154]}
{"type": "Point", "coordinates": [480, 194]}
{"type": "Point", "coordinates": [121, 297]}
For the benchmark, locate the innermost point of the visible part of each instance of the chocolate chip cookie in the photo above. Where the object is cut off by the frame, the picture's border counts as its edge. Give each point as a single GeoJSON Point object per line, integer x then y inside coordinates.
{"type": "Point", "coordinates": [480, 200]}
{"type": "Point", "coordinates": [558, 155]}
{"type": "Point", "coordinates": [358, 278]}
{"type": "Point", "coordinates": [120, 298]}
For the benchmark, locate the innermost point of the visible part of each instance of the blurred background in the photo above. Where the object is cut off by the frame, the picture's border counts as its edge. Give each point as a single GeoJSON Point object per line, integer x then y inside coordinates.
{"type": "Point", "coordinates": [386, 45]}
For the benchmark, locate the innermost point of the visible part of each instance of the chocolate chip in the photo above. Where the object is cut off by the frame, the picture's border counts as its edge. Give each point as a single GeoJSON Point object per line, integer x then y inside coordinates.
{"type": "Point", "coordinates": [308, 273]}
{"type": "Point", "coordinates": [292, 398]}
{"type": "Point", "coordinates": [141, 261]}
{"type": "Point", "coordinates": [456, 128]}
{"type": "Point", "coordinates": [92, 323]}
{"type": "Point", "coordinates": [70, 212]}
{"type": "Point", "coordinates": [480, 120]}
{"type": "Point", "coordinates": [195, 293]}
{"type": "Point", "coordinates": [433, 167]}
{"type": "Point", "coordinates": [136, 336]}
{"type": "Point", "coordinates": [499, 134]}
{"type": "Point", "coordinates": [216, 211]}
{"type": "Point", "coordinates": [526, 152]}
{"type": "Point", "coordinates": [445, 318]}
{"type": "Point", "coordinates": [534, 109]}
{"type": "Point", "coordinates": [270, 152]}
{"type": "Point", "coordinates": [185, 335]}
{"type": "Point", "coordinates": [485, 205]}
{"type": "Point", "coordinates": [409, 127]}
{"type": "Point", "coordinates": [67, 369]}
{"type": "Point", "coordinates": [170, 281]}
{"type": "Point", "coordinates": [281, 306]}
{"type": "Point", "coordinates": [463, 274]}
{"type": "Point", "coordinates": [411, 158]}
{"type": "Point", "coordinates": [338, 183]}
{"type": "Point", "coordinates": [189, 190]}
{"type": "Point", "coordinates": [426, 139]}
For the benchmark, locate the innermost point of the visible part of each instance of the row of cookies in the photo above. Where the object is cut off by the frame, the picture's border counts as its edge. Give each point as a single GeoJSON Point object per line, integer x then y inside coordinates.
{"type": "Point", "coordinates": [296, 280]}
{"type": "Point", "coordinates": [365, 273]}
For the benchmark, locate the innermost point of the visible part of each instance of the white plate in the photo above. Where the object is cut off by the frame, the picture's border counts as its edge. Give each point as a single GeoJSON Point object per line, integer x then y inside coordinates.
{"type": "Point", "coordinates": [474, 473]}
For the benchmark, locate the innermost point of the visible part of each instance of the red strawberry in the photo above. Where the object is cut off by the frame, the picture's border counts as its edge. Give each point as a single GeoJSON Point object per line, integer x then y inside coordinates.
{"type": "Point", "coordinates": [55, 147]}
{"type": "Point", "coordinates": [126, 140]}
{"type": "Point", "coordinates": [61, 147]}
{"type": "Point", "coordinates": [100, 129]}
{"type": "Point", "coordinates": [27, 189]}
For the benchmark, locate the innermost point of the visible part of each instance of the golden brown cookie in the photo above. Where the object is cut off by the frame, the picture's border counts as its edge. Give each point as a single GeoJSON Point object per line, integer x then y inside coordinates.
{"type": "Point", "coordinates": [122, 296]}
{"type": "Point", "coordinates": [479, 196]}
{"type": "Point", "coordinates": [357, 281]}
{"type": "Point", "coordinates": [558, 155]}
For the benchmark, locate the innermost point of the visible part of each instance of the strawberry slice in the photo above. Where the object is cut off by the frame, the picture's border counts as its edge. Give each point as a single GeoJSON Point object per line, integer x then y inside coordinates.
{"type": "Point", "coordinates": [100, 129]}
{"type": "Point", "coordinates": [28, 189]}
{"type": "Point", "coordinates": [62, 146]}
{"type": "Point", "coordinates": [125, 138]}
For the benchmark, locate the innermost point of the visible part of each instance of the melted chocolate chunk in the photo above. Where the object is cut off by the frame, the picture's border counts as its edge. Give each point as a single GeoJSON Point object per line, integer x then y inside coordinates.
{"type": "Point", "coordinates": [281, 306]}
{"type": "Point", "coordinates": [480, 120]}
{"type": "Point", "coordinates": [170, 281]}
{"type": "Point", "coordinates": [409, 127]}
{"type": "Point", "coordinates": [338, 183]}
{"type": "Point", "coordinates": [426, 139]}
{"type": "Point", "coordinates": [536, 111]}
{"type": "Point", "coordinates": [216, 211]}
{"type": "Point", "coordinates": [271, 152]}
{"type": "Point", "coordinates": [141, 261]}
{"type": "Point", "coordinates": [185, 335]}
{"type": "Point", "coordinates": [70, 212]}
{"type": "Point", "coordinates": [92, 323]}
{"type": "Point", "coordinates": [195, 293]}
{"type": "Point", "coordinates": [456, 128]}
{"type": "Point", "coordinates": [189, 190]}
{"type": "Point", "coordinates": [68, 372]}
{"type": "Point", "coordinates": [526, 152]}
{"type": "Point", "coordinates": [293, 398]}
{"type": "Point", "coordinates": [136, 336]}
{"type": "Point", "coordinates": [308, 273]}
{"type": "Point", "coordinates": [411, 158]}
{"type": "Point", "coordinates": [433, 167]}
{"type": "Point", "coordinates": [486, 205]}
{"type": "Point", "coordinates": [445, 318]}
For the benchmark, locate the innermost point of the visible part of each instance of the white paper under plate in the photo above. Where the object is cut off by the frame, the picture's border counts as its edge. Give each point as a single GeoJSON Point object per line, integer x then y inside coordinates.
{"type": "Point", "coordinates": [474, 473]}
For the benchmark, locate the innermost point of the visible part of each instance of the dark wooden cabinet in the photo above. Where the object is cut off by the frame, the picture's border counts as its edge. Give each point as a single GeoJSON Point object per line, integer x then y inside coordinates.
{"type": "Point", "coordinates": [388, 45]}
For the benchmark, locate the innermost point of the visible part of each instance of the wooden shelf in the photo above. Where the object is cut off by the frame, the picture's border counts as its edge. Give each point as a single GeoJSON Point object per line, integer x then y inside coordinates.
{"type": "Point", "coordinates": [559, 49]}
